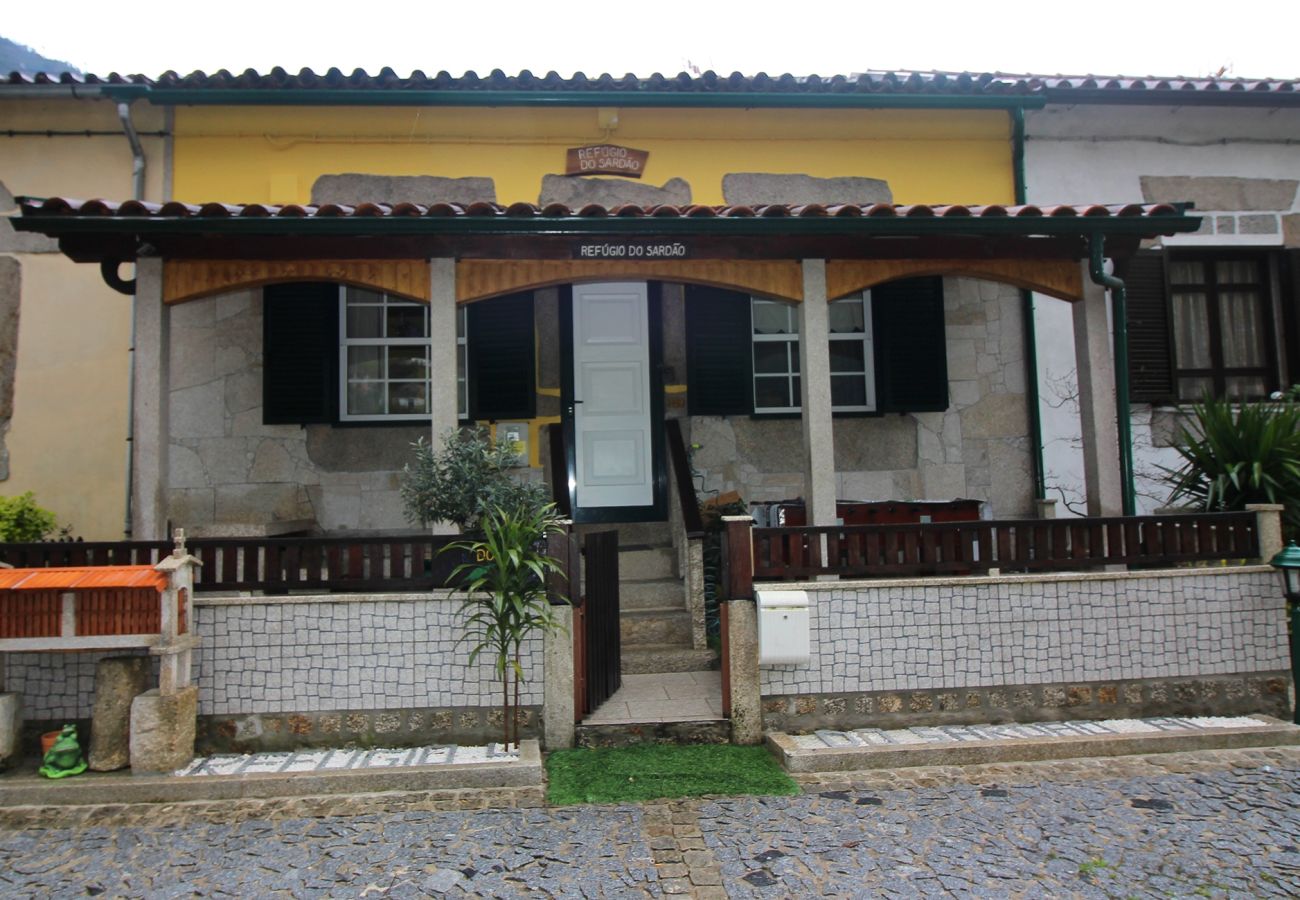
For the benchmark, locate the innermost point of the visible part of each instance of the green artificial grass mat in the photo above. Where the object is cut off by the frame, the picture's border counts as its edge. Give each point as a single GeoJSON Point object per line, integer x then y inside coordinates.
{"type": "Point", "coordinates": [658, 771]}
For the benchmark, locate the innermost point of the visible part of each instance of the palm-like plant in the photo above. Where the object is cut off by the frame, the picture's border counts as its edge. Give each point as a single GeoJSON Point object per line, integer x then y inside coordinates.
{"type": "Point", "coordinates": [505, 579]}
{"type": "Point", "coordinates": [1234, 454]}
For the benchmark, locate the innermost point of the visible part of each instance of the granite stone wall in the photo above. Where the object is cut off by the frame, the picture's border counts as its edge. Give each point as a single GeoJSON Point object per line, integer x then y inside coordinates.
{"type": "Point", "coordinates": [230, 474]}
{"type": "Point", "coordinates": [1022, 646]}
{"type": "Point", "coordinates": [978, 448]}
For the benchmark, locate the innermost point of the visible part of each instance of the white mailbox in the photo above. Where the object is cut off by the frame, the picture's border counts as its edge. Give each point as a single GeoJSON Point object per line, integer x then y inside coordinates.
{"type": "Point", "coordinates": [783, 629]}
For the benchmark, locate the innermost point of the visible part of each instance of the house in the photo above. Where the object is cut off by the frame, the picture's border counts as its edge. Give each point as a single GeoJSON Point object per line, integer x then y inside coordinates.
{"type": "Point", "coordinates": [306, 427]}
{"type": "Point", "coordinates": [822, 282]}
{"type": "Point", "coordinates": [1210, 311]}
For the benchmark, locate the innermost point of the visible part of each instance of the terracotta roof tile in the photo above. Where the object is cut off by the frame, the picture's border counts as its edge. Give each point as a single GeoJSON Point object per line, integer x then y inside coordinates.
{"type": "Point", "coordinates": [62, 206]}
{"type": "Point", "coordinates": [1057, 88]}
{"type": "Point", "coordinates": [82, 578]}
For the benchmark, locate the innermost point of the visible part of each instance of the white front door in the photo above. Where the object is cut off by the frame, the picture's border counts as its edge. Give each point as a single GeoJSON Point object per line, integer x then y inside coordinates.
{"type": "Point", "coordinates": [611, 396]}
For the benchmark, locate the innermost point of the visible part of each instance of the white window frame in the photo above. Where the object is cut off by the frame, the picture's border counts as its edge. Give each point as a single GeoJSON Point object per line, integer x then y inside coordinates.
{"type": "Point", "coordinates": [346, 342]}
{"type": "Point", "coordinates": [793, 337]}
{"type": "Point", "coordinates": [789, 338]}
{"type": "Point", "coordinates": [868, 355]}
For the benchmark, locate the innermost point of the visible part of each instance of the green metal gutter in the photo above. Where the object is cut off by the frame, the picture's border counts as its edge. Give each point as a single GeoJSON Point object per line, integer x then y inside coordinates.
{"type": "Point", "coordinates": [575, 98]}
{"type": "Point", "coordinates": [1027, 313]}
{"type": "Point", "coordinates": [1164, 97]}
{"type": "Point", "coordinates": [616, 226]}
{"type": "Point", "coordinates": [1119, 301]}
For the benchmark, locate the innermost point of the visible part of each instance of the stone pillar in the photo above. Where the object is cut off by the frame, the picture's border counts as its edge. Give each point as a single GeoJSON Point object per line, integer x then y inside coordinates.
{"type": "Point", "coordinates": [815, 395]}
{"type": "Point", "coordinates": [151, 415]}
{"type": "Point", "coordinates": [118, 681]}
{"type": "Point", "coordinates": [175, 648]}
{"type": "Point", "coordinates": [11, 725]}
{"type": "Point", "coordinates": [1046, 508]}
{"type": "Point", "coordinates": [694, 585]}
{"type": "Point", "coordinates": [442, 353]}
{"type": "Point", "coordinates": [443, 390]}
{"type": "Point", "coordinates": [557, 682]}
{"type": "Point", "coordinates": [1095, 368]}
{"type": "Point", "coordinates": [1268, 525]}
{"type": "Point", "coordinates": [162, 730]}
{"type": "Point", "coordinates": [742, 672]}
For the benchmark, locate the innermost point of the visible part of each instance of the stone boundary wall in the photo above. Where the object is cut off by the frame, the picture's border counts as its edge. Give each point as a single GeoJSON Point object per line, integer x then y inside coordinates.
{"type": "Point", "coordinates": [304, 670]}
{"type": "Point", "coordinates": [1036, 646]}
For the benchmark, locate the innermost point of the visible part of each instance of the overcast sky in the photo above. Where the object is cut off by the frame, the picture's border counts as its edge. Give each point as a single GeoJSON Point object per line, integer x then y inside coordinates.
{"type": "Point", "coordinates": [1248, 38]}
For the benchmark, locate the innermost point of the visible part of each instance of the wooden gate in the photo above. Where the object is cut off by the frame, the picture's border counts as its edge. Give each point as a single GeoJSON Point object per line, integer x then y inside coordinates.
{"type": "Point", "coordinates": [596, 649]}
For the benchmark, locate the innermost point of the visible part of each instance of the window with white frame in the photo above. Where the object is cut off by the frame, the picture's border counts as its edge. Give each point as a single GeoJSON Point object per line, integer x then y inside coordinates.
{"type": "Point", "coordinates": [775, 327]}
{"type": "Point", "coordinates": [384, 357]}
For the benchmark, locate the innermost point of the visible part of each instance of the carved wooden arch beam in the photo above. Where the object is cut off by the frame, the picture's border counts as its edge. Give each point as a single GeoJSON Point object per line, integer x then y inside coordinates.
{"type": "Point", "coordinates": [190, 279]}
{"type": "Point", "coordinates": [1057, 277]}
{"type": "Point", "coordinates": [478, 279]}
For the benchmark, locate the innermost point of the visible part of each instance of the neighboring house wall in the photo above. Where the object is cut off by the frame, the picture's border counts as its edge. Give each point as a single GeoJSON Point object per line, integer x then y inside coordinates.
{"type": "Point", "coordinates": [977, 449]}
{"type": "Point", "coordinates": [1239, 166]}
{"type": "Point", "coordinates": [1035, 647]}
{"type": "Point", "coordinates": [375, 670]}
{"type": "Point", "coordinates": [63, 414]}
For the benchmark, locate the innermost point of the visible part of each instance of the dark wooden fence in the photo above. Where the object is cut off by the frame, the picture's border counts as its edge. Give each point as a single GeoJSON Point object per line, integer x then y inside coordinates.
{"type": "Point", "coordinates": [597, 647]}
{"type": "Point", "coordinates": [1019, 545]}
{"type": "Point", "coordinates": [271, 565]}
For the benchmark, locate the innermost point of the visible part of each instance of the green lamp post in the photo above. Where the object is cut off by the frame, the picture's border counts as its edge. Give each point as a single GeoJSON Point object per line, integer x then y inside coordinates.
{"type": "Point", "coordinates": [1287, 561]}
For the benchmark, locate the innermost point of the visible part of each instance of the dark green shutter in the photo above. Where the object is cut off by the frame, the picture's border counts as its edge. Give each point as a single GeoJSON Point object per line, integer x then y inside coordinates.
{"type": "Point", "coordinates": [1150, 359]}
{"type": "Point", "coordinates": [300, 347]}
{"type": "Point", "coordinates": [719, 354]}
{"type": "Point", "coordinates": [1290, 298]}
{"type": "Point", "coordinates": [501, 357]}
{"type": "Point", "coordinates": [911, 352]}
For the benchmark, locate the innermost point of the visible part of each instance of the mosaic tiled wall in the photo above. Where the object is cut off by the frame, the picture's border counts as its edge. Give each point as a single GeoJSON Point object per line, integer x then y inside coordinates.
{"type": "Point", "coordinates": [1027, 630]}
{"type": "Point", "coordinates": [292, 655]}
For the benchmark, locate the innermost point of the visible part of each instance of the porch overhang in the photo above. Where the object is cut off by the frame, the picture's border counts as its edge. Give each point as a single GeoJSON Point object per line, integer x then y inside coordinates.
{"type": "Point", "coordinates": [508, 248]}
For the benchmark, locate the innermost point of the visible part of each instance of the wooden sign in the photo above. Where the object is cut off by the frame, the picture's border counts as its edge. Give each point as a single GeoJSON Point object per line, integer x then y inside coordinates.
{"type": "Point", "coordinates": [616, 249]}
{"type": "Point", "coordinates": [606, 159]}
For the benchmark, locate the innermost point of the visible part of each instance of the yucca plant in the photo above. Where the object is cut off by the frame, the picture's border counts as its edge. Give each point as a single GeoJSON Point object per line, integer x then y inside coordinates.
{"type": "Point", "coordinates": [505, 579]}
{"type": "Point", "coordinates": [1239, 453]}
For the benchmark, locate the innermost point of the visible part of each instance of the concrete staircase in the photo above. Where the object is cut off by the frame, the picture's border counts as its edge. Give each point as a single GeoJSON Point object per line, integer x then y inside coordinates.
{"type": "Point", "coordinates": [655, 623]}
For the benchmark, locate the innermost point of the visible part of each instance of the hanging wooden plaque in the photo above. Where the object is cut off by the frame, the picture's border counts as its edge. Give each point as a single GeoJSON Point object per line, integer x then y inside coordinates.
{"type": "Point", "coordinates": [606, 159]}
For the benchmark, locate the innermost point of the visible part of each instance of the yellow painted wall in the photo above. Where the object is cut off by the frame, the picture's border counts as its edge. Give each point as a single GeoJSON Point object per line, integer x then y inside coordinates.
{"type": "Point", "coordinates": [67, 437]}
{"type": "Point", "coordinates": [274, 154]}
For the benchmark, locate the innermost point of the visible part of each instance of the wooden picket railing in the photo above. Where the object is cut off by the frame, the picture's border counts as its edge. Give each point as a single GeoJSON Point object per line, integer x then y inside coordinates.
{"type": "Point", "coordinates": [271, 565]}
{"type": "Point", "coordinates": [1017, 545]}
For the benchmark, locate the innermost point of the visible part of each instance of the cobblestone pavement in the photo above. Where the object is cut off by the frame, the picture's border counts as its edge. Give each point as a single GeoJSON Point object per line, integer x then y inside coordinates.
{"type": "Point", "coordinates": [1209, 824]}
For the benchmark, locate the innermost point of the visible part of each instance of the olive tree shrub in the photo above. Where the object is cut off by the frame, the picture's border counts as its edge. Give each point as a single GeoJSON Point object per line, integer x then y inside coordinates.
{"type": "Point", "coordinates": [463, 479]}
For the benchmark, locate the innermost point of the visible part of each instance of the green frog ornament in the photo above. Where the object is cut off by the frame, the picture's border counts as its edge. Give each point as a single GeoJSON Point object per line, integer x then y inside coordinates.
{"type": "Point", "coordinates": [65, 757]}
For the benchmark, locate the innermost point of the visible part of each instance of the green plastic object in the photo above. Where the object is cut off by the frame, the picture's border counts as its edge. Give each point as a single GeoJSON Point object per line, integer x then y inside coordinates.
{"type": "Point", "coordinates": [65, 757]}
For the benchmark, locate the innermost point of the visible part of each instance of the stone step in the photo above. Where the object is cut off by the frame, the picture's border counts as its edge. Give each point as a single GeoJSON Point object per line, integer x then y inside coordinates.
{"type": "Point", "coordinates": [646, 563]}
{"type": "Point", "coordinates": [960, 745]}
{"type": "Point", "coordinates": [638, 627]}
{"type": "Point", "coordinates": [705, 731]}
{"type": "Point", "coordinates": [650, 534]}
{"type": "Point", "coordinates": [647, 659]}
{"type": "Point", "coordinates": [660, 593]}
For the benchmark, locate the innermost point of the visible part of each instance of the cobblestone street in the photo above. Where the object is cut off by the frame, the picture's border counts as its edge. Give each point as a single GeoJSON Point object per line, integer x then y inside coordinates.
{"type": "Point", "coordinates": [1212, 824]}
